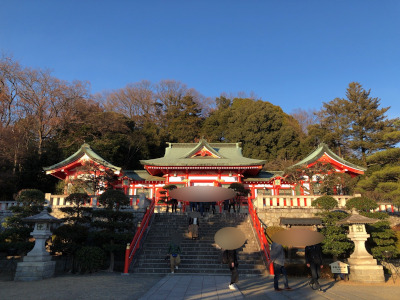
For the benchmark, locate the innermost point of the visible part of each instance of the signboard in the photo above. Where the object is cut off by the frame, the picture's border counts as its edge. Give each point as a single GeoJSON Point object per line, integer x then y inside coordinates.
{"type": "Point", "coordinates": [339, 267]}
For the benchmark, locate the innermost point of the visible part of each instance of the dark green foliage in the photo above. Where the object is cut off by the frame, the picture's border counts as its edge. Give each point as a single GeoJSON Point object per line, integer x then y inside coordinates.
{"type": "Point", "coordinates": [336, 242]}
{"type": "Point", "coordinates": [382, 181]}
{"type": "Point", "coordinates": [169, 187]}
{"type": "Point", "coordinates": [111, 242]}
{"type": "Point", "coordinates": [69, 238]}
{"type": "Point", "coordinates": [16, 234]}
{"type": "Point", "coordinates": [20, 212]}
{"type": "Point", "coordinates": [184, 120]}
{"type": "Point", "coordinates": [334, 126]}
{"type": "Point", "coordinates": [264, 130]}
{"type": "Point", "coordinates": [383, 238]}
{"type": "Point", "coordinates": [90, 259]}
{"type": "Point", "coordinates": [356, 123]}
{"type": "Point", "coordinates": [112, 220]}
{"type": "Point", "coordinates": [325, 202]}
{"type": "Point", "coordinates": [239, 189]}
{"type": "Point", "coordinates": [371, 131]}
{"type": "Point", "coordinates": [78, 213]}
{"type": "Point", "coordinates": [361, 204]}
{"type": "Point", "coordinates": [113, 199]}
{"type": "Point", "coordinates": [16, 240]}
{"type": "Point", "coordinates": [113, 223]}
{"type": "Point", "coordinates": [30, 197]}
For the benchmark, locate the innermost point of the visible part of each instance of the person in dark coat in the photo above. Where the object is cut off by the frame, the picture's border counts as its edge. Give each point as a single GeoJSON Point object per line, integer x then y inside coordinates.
{"type": "Point", "coordinates": [174, 203]}
{"type": "Point", "coordinates": [231, 258]}
{"type": "Point", "coordinates": [232, 203]}
{"type": "Point", "coordinates": [213, 207]}
{"type": "Point", "coordinates": [314, 262]}
{"type": "Point", "coordinates": [278, 258]}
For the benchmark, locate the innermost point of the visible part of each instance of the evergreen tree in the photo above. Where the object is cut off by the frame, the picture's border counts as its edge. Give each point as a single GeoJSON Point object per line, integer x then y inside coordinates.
{"type": "Point", "coordinates": [16, 233]}
{"type": "Point", "coordinates": [356, 125]}
{"type": "Point", "coordinates": [382, 180]}
{"type": "Point", "coordinates": [264, 130]}
{"type": "Point", "coordinates": [370, 129]}
{"type": "Point", "coordinates": [77, 212]}
{"type": "Point", "coordinates": [336, 241]}
{"type": "Point", "coordinates": [335, 125]}
{"type": "Point", "coordinates": [115, 226]}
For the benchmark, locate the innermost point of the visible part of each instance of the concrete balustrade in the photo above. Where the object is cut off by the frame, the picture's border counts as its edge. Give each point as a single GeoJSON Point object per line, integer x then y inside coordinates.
{"type": "Point", "coordinates": [261, 202]}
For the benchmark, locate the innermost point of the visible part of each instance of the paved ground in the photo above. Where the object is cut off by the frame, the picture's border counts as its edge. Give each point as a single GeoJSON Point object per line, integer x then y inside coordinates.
{"type": "Point", "coordinates": [180, 286]}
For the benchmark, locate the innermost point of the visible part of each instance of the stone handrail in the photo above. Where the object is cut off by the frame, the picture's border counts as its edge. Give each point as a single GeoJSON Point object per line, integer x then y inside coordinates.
{"type": "Point", "coordinates": [284, 201]}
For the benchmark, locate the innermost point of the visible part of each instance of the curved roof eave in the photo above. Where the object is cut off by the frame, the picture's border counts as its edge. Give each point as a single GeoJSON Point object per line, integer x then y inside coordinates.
{"type": "Point", "coordinates": [319, 152]}
{"type": "Point", "coordinates": [84, 149]}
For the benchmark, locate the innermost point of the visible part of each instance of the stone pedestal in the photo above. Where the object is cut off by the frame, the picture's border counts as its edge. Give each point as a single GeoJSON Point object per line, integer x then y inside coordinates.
{"type": "Point", "coordinates": [34, 270]}
{"type": "Point", "coordinates": [366, 273]}
{"type": "Point", "coordinates": [363, 267]}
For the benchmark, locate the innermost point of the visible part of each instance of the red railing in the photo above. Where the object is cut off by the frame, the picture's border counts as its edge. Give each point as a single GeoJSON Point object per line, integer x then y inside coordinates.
{"type": "Point", "coordinates": [260, 235]}
{"type": "Point", "coordinates": [135, 244]}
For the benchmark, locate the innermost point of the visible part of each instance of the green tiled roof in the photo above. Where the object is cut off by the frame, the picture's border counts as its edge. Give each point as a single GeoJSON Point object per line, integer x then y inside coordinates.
{"type": "Point", "coordinates": [84, 149]}
{"type": "Point", "coordinates": [180, 154]}
{"type": "Point", "coordinates": [319, 152]}
{"type": "Point", "coordinates": [265, 176]}
{"type": "Point", "coordinates": [141, 175]}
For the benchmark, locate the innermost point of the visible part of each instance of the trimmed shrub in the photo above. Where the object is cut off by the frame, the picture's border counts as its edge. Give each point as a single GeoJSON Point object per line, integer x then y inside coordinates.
{"type": "Point", "coordinates": [90, 259]}
{"type": "Point", "coordinates": [325, 203]}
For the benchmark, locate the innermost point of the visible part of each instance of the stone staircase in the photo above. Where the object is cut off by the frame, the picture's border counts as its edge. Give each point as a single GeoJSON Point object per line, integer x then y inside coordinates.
{"type": "Point", "coordinates": [198, 256]}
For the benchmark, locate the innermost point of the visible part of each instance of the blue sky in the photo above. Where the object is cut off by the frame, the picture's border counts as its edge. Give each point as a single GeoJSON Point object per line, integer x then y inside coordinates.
{"type": "Point", "coordinates": [295, 54]}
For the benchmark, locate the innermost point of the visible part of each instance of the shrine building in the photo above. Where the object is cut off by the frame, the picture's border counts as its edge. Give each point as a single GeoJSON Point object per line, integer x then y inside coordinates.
{"type": "Point", "coordinates": [191, 164]}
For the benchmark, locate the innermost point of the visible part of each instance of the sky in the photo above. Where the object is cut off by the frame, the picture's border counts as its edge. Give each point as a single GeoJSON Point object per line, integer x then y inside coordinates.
{"type": "Point", "coordinates": [292, 53]}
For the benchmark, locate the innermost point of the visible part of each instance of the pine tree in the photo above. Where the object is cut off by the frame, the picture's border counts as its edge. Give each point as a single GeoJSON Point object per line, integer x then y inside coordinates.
{"type": "Point", "coordinates": [371, 130]}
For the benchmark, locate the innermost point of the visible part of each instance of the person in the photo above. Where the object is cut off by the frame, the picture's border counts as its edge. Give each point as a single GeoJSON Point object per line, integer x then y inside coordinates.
{"type": "Point", "coordinates": [201, 208]}
{"type": "Point", "coordinates": [230, 256]}
{"type": "Point", "coordinates": [278, 259]}
{"type": "Point", "coordinates": [174, 203]}
{"type": "Point", "coordinates": [226, 205]}
{"type": "Point", "coordinates": [232, 203]}
{"type": "Point", "coordinates": [193, 206]}
{"type": "Point", "coordinates": [174, 252]}
{"type": "Point", "coordinates": [213, 207]}
{"type": "Point", "coordinates": [194, 227]}
{"type": "Point", "coordinates": [313, 255]}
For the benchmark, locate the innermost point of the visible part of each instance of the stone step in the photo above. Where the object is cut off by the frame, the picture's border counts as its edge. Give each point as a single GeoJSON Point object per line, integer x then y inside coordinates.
{"type": "Point", "coordinates": [200, 255]}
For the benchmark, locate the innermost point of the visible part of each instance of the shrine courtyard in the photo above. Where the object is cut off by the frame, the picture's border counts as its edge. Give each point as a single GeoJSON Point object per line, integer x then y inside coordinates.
{"type": "Point", "coordinates": [185, 286]}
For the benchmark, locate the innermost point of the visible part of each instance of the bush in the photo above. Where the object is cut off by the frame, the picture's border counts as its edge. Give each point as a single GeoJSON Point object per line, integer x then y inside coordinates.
{"type": "Point", "coordinates": [28, 197]}
{"type": "Point", "coordinates": [90, 259]}
{"type": "Point", "coordinates": [111, 199]}
{"type": "Point", "coordinates": [69, 238]}
{"type": "Point", "coordinates": [361, 204]}
{"type": "Point", "coordinates": [325, 202]}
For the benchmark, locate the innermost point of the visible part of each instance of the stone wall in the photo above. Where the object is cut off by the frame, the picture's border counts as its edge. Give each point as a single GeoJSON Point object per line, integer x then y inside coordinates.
{"type": "Point", "coordinates": [271, 217]}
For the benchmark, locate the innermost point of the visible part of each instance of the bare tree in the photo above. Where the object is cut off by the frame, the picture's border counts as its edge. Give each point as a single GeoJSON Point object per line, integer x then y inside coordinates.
{"type": "Point", "coordinates": [45, 101]}
{"type": "Point", "coordinates": [305, 118]}
{"type": "Point", "coordinates": [10, 84]}
{"type": "Point", "coordinates": [136, 101]}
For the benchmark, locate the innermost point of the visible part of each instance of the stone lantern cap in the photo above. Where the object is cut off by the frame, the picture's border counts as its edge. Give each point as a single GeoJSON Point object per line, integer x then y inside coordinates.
{"type": "Point", "coordinates": [355, 218]}
{"type": "Point", "coordinates": [42, 217]}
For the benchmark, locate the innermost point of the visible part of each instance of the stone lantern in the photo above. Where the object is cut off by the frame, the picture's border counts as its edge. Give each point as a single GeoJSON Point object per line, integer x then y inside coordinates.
{"type": "Point", "coordinates": [37, 264]}
{"type": "Point", "coordinates": [363, 267]}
